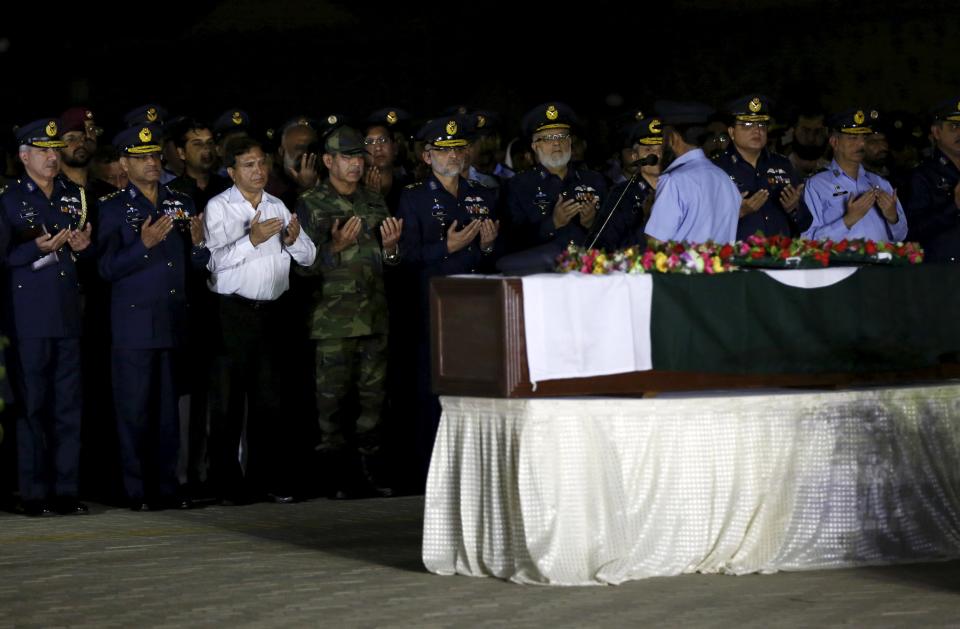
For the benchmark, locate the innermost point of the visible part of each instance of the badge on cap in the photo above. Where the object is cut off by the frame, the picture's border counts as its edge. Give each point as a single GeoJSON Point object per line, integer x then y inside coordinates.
{"type": "Point", "coordinates": [152, 114]}
{"type": "Point", "coordinates": [874, 114]}
{"type": "Point", "coordinates": [654, 126]}
{"type": "Point", "coordinates": [552, 113]}
{"type": "Point", "coordinates": [331, 119]}
{"type": "Point", "coordinates": [392, 117]}
{"type": "Point", "coordinates": [638, 115]}
{"type": "Point", "coordinates": [236, 118]}
{"type": "Point", "coordinates": [755, 105]}
{"type": "Point", "coordinates": [481, 121]}
{"type": "Point", "coordinates": [51, 129]}
{"type": "Point", "coordinates": [145, 135]}
{"type": "Point", "coordinates": [452, 127]}
{"type": "Point", "coordinates": [858, 117]}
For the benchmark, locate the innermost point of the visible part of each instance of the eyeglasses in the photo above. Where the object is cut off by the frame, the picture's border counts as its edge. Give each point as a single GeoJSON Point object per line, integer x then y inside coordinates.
{"type": "Point", "coordinates": [556, 137]}
{"type": "Point", "coordinates": [448, 149]}
{"type": "Point", "coordinates": [752, 125]}
{"type": "Point", "coordinates": [373, 141]}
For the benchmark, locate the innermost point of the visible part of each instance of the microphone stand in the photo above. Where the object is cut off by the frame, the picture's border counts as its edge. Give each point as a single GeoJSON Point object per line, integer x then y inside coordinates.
{"type": "Point", "coordinates": [633, 180]}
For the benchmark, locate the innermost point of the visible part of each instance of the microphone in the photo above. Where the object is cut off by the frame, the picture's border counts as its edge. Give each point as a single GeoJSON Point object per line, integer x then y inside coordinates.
{"type": "Point", "coordinates": [649, 160]}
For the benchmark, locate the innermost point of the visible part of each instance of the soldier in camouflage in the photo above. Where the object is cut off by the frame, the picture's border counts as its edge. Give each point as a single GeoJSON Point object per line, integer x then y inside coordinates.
{"type": "Point", "coordinates": [356, 237]}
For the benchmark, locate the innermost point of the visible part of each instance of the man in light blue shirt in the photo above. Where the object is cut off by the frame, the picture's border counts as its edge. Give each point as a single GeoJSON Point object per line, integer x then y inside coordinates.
{"type": "Point", "coordinates": [696, 201]}
{"type": "Point", "coordinates": [847, 201]}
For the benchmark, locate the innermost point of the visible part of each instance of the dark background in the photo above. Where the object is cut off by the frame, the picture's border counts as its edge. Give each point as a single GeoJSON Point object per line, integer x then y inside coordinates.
{"type": "Point", "coordinates": [278, 59]}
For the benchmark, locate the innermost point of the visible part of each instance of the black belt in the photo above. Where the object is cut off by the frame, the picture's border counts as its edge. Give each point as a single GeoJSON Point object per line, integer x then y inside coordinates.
{"type": "Point", "coordinates": [250, 303]}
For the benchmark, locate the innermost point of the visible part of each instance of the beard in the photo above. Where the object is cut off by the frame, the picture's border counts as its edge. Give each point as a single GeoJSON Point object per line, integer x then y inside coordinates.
{"type": "Point", "coordinates": [667, 157]}
{"type": "Point", "coordinates": [552, 160]}
{"type": "Point", "coordinates": [78, 159]}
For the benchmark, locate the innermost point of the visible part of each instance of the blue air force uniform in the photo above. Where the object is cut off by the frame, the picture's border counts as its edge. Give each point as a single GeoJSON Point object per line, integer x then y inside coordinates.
{"type": "Point", "coordinates": [772, 173]}
{"type": "Point", "coordinates": [148, 315]}
{"type": "Point", "coordinates": [532, 195]}
{"type": "Point", "coordinates": [428, 210]}
{"type": "Point", "coordinates": [45, 300]}
{"type": "Point", "coordinates": [932, 210]}
{"type": "Point", "coordinates": [696, 201]}
{"type": "Point", "coordinates": [828, 193]}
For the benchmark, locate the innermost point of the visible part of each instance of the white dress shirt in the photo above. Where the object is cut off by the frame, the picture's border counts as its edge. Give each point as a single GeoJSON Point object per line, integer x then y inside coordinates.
{"type": "Point", "coordinates": [237, 267]}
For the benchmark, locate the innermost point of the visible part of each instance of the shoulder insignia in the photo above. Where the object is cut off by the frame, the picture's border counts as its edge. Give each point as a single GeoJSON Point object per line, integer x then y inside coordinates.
{"type": "Point", "coordinates": [3, 188]}
{"type": "Point", "coordinates": [413, 186]}
{"type": "Point", "coordinates": [109, 196]}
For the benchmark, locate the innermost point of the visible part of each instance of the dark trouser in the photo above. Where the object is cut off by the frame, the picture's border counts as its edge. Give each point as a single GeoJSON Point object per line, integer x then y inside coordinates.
{"type": "Point", "coordinates": [48, 434]}
{"type": "Point", "coordinates": [148, 422]}
{"type": "Point", "coordinates": [346, 366]}
{"type": "Point", "coordinates": [254, 336]}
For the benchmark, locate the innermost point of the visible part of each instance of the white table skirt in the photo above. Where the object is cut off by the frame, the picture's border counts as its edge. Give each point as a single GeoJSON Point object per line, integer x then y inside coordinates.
{"type": "Point", "coordinates": [593, 491]}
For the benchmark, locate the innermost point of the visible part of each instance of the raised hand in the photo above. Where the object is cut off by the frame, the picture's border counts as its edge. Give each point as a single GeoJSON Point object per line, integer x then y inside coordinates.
{"type": "Point", "coordinates": [79, 239]}
{"type": "Point", "coordinates": [790, 197]}
{"type": "Point", "coordinates": [346, 236]}
{"type": "Point", "coordinates": [47, 243]}
{"type": "Point", "coordinates": [754, 202]}
{"type": "Point", "coordinates": [888, 205]}
{"type": "Point", "coordinates": [489, 231]}
{"type": "Point", "coordinates": [390, 231]}
{"type": "Point", "coordinates": [260, 232]}
{"type": "Point", "coordinates": [291, 231]}
{"type": "Point", "coordinates": [152, 232]}
{"type": "Point", "coordinates": [196, 229]}
{"type": "Point", "coordinates": [858, 207]}
{"type": "Point", "coordinates": [306, 177]}
{"type": "Point", "coordinates": [457, 240]}
{"type": "Point", "coordinates": [564, 211]}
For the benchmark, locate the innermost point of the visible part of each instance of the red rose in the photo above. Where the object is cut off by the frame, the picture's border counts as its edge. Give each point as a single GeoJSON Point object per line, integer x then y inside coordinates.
{"type": "Point", "coordinates": [871, 247]}
{"type": "Point", "coordinates": [726, 251]}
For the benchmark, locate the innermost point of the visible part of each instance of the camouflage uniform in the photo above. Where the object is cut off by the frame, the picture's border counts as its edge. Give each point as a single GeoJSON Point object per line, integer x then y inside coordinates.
{"type": "Point", "coordinates": [349, 315]}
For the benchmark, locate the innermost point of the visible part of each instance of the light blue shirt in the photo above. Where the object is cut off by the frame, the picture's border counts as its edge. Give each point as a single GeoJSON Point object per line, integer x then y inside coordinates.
{"type": "Point", "coordinates": [827, 194]}
{"type": "Point", "coordinates": [696, 202]}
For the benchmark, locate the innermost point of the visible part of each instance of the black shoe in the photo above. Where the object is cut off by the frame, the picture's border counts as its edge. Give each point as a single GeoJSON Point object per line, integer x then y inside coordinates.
{"type": "Point", "coordinates": [370, 466]}
{"type": "Point", "coordinates": [282, 498]}
{"type": "Point", "coordinates": [36, 509]}
{"type": "Point", "coordinates": [70, 506]}
{"type": "Point", "coordinates": [139, 505]}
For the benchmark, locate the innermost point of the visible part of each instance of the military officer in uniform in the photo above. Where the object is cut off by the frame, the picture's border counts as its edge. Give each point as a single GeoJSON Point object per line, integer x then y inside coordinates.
{"type": "Point", "coordinates": [355, 237]}
{"type": "Point", "coordinates": [449, 227]}
{"type": "Point", "coordinates": [771, 188]}
{"type": "Point", "coordinates": [631, 199]}
{"type": "Point", "coordinates": [45, 215]}
{"type": "Point", "coordinates": [150, 238]}
{"type": "Point", "coordinates": [696, 201]}
{"type": "Point", "coordinates": [553, 202]}
{"type": "Point", "coordinates": [933, 209]}
{"type": "Point", "coordinates": [845, 200]}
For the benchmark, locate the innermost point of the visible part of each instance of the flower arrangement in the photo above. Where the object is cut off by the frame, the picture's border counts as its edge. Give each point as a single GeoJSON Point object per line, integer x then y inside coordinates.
{"type": "Point", "coordinates": [754, 251]}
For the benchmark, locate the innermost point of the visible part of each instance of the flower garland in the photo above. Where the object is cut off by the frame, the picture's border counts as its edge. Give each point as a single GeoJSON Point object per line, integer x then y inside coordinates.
{"type": "Point", "coordinates": [755, 251]}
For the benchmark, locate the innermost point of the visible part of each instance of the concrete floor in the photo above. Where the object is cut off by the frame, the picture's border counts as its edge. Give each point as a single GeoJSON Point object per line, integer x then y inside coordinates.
{"type": "Point", "coordinates": [357, 564]}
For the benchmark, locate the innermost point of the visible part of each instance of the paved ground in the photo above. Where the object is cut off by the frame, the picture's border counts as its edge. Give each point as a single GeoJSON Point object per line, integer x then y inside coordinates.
{"type": "Point", "coordinates": [348, 564]}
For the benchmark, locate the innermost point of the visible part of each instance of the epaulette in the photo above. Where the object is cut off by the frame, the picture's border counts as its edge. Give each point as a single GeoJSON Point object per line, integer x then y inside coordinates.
{"type": "Point", "coordinates": [413, 186]}
{"type": "Point", "coordinates": [109, 196]}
